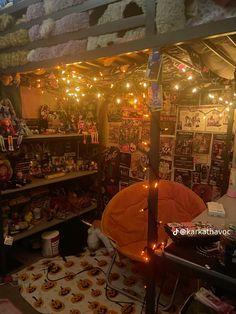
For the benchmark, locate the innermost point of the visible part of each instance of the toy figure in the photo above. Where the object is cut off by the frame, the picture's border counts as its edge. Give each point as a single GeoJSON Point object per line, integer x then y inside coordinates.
{"type": "Point", "coordinates": [81, 125]}
{"type": "Point", "coordinates": [6, 127]}
{"type": "Point", "coordinates": [10, 143]}
{"type": "Point", "coordinates": [94, 133]}
{"type": "Point", "coordinates": [43, 120]}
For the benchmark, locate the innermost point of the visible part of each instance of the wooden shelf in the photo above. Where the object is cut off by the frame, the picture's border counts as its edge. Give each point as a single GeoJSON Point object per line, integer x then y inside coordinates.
{"type": "Point", "coordinates": [44, 224]}
{"type": "Point", "coordinates": [42, 182]}
{"type": "Point", "coordinates": [18, 6]}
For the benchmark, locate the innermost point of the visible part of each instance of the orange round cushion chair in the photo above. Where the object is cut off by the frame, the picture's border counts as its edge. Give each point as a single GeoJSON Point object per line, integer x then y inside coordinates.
{"type": "Point", "coordinates": [125, 218]}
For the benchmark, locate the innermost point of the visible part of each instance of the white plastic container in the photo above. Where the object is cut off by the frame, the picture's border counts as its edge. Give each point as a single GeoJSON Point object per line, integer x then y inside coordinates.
{"type": "Point", "coordinates": [50, 243]}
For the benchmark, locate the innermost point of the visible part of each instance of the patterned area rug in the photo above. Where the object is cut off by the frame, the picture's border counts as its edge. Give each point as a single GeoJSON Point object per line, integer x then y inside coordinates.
{"type": "Point", "coordinates": [77, 285]}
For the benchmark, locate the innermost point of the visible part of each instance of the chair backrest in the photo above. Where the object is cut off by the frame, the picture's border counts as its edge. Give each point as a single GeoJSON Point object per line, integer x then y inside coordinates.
{"type": "Point", "coordinates": [125, 217]}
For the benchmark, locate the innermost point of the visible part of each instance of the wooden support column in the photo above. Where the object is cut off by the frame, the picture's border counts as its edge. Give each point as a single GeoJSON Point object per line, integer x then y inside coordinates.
{"type": "Point", "coordinates": [155, 102]}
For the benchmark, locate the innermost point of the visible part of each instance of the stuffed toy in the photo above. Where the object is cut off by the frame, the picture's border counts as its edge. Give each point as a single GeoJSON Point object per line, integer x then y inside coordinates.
{"type": "Point", "coordinates": [6, 21]}
{"type": "Point", "coordinates": [96, 237]}
{"type": "Point", "coordinates": [17, 38]}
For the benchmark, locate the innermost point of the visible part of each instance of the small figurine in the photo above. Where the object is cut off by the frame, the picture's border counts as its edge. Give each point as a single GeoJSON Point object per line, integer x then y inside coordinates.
{"type": "Point", "coordinates": [43, 120]}
{"type": "Point", "coordinates": [10, 143]}
{"type": "Point", "coordinates": [94, 134]}
{"type": "Point", "coordinates": [6, 127]}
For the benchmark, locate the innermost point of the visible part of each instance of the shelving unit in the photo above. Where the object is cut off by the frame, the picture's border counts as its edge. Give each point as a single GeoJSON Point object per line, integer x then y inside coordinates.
{"type": "Point", "coordinates": [42, 182]}
{"type": "Point", "coordinates": [66, 179]}
{"type": "Point", "coordinates": [44, 224]}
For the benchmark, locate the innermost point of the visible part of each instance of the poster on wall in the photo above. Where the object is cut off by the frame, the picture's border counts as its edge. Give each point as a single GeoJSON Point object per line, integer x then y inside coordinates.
{"type": "Point", "coordinates": [167, 123]}
{"type": "Point", "coordinates": [191, 120]}
{"type": "Point", "coordinates": [202, 143]}
{"type": "Point", "coordinates": [129, 135]}
{"type": "Point", "coordinates": [145, 133]}
{"type": "Point", "coordinates": [203, 169]}
{"type": "Point", "coordinates": [184, 143]}
{"type": "Point", "coordinates": [183, 176]}
{"type": "Point", "coordinates": [139, 166]}
{"type": "Point", "coordinates": [167, 145]}
{"type": "Point", "coordinates": [185, 162]}
{"type": "Point", "coordinates": [216, 176]}
{"type": "Point", "coordinates": [165, 168]}
{"type": "Point", "coordinates": [113, 133]}
{"type": "Point", "coordinates": [114, 112]}
{"type": "Point", "coordinates": [217, 120]}
{"type": "Point", "coordinates": [218, 146]}
{"type": "Point", "coordinates": [169, 103]}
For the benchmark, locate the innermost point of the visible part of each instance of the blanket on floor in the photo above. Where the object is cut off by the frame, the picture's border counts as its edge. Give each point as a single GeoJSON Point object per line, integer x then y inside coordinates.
{"type": "Point", "coordinates": [77, 285]}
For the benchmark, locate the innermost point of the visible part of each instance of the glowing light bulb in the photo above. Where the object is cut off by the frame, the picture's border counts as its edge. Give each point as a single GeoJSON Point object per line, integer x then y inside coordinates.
{"type": "Point", "coordinates": [226, 102]}
{"type": "Point", "coordinates": [77, 99]}
{"type": "Point", "coordinates": [63, 78]}
{"type": "Point", "coordinates": [204, 118]}
{"type": "Point", "coordinates": [68, 81]}
{"type": "Point", "coordinates": [98, 95]}
{"type": "Point", "coordinates": [83, 95]}
{"type": "Point", "coordinates": [118, 100]}
{"type": "Point", "coordinates": [176, 86]}
{"type": "Point", "coordinates": [190, 77]}
{"type": "Point", "coordinates": [194, 90]}
{"type": "Point", "coordinates": [220, 99]}
{"type": "Point", "coordinates": [128, 85]}
{"type": "Point", "coordinates": [94, 79]}
{"type": "Point", "coordinates": [112, 85]}
{"type": "Point", "coordinates": [77, 88]}
{"type": "Point", "coordinates": [144, 84]}
{"type": "Point", "coordinates": [227, 109]}
{"type": "Point", "coordinates": [230, 103]}
{"type": "Point", "coordinates": [135, 100]}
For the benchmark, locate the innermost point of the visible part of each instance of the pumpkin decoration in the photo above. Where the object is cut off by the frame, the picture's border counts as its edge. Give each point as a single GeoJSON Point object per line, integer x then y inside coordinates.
{"type": "Point", "coordinates": [96, 292]}
{"type": "Point", "coordinates": [57, 305]}
{"type": "Point", "coordinates": [77, 297]}
{"type": "Point", "coordinates": [47, 285]}
{"type": "Point", "coordinates": [64, 291]}
{"type": "Point", "coordinates": [84, 284]}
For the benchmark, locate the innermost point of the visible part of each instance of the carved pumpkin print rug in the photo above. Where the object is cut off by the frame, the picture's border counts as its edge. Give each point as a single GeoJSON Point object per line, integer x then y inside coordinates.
{"type": "Point", "coordinates": [77, 285]}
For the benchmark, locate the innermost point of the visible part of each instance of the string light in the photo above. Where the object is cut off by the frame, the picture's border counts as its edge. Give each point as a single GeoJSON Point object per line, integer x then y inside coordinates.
{"type": "Point", "coordinates": [177, 87]}
{"type": "Point", "coordinates": [98, 95]}
{"type": "Point", "coordinates": [118, 100]}
{"type": "Point", "coordinates": [127, 85]}
{"type": "Point", "coordinates": [190, 77]}
{"type": "Point", "coordinates": [194, 90]}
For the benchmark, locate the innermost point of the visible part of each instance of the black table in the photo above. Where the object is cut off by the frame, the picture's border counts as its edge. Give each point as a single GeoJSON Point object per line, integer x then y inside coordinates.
{"type": "Point", "coordinates": [186, 258]}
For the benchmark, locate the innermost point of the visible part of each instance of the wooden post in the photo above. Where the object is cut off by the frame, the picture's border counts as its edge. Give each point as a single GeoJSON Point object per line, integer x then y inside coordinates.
{"type": "Point", "coordinates": [154, 71]}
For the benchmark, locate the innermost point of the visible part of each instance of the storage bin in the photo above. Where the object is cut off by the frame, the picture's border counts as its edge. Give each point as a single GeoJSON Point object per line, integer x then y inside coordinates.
{"type": "Point", "coordinates": [50, 243]}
